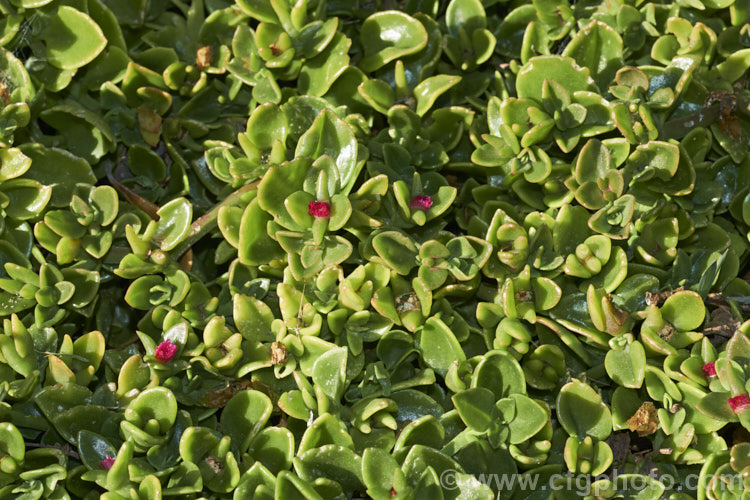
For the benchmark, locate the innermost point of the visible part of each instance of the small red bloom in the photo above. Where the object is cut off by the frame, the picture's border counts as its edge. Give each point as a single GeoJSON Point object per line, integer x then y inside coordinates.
{"type": "Point", "coordinates": [107, 463]}
{"type": "Point", "coordinates": [739, 403]}
{"type": "Point", "coordinates": [420, 202]}
{"type": "Point", "coordinates": [319, 209]}
{"type": "Point", "coordinates": [165, 351]}
{"type": "Point", "coordinates": [709, 369]}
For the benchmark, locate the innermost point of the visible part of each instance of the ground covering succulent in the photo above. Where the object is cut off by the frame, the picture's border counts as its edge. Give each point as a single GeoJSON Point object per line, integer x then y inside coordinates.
{"type": "Point", "coordinates": [374, 249]}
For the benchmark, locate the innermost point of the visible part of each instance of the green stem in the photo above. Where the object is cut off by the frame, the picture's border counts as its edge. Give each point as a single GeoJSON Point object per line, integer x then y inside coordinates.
{"type": "Point", "coordinates": [208, 222]}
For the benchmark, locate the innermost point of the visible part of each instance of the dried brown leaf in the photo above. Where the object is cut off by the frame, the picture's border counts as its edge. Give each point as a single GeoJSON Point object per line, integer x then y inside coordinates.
{"type": "Point", "coordinates": [278, 353]}
{"type": "Point", "coordinates": [203, 57]}
{"type": "Point", "coordinates": [645, 421]}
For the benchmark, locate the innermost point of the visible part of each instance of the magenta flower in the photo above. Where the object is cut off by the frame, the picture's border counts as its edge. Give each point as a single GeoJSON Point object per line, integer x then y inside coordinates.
{"type": "Point", "coordinates": [107, 463]}
{"type": "Point", "coordinates": [165, 351]}
{"type": "Point", "coordinates": [319, 209]}
{"type": "Point", "coordinates": [709, 369]}
{"type": "Point", "coordinates": [739, 403]}
{"type": "Point", "coordinates": [420, 202]}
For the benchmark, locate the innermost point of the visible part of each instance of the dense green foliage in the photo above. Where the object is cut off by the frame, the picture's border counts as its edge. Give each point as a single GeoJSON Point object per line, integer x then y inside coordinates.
{"type": "Point", "coordinates": [374, 249]}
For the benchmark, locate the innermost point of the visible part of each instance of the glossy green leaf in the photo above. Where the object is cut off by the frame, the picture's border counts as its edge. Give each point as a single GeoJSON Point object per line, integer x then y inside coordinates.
{"type": "Point", "coordinates": [331, 136]}
{"type": "Point", "coordinates": [598, 48]}
{"type": "Point", "coordinates": [174, 223]}
{"type": "Point", "coordinates": [439, 346]}
{"type": "Point", "coordinates": [72, 38]}
{"type": "Point", "coordinates": [389, 35]}
{"type": "Point", "coordinates": [582, 412]}
{"type": "Point", "coordinates": [563, 70]}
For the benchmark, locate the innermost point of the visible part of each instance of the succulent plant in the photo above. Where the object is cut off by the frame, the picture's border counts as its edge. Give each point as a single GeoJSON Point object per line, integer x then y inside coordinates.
{"type": "Point", "coordinates": [332, 249]}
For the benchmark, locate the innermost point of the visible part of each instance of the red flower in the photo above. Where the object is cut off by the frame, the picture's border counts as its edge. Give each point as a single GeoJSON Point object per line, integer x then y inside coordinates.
{"type": "Point", "coordinates": [709, 369]}
{"type": "Point", "coordinates": [107, 463]}
{"type": "Point", "coordinates": [165, 351]}
{"type": "Point", "coordinates": [739, 403]}
{"type": "Point", "coordinates": [420, 202]}
{"type": "Point", "coordinates": [319, 209]}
